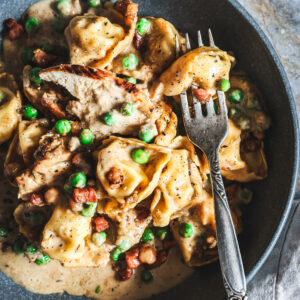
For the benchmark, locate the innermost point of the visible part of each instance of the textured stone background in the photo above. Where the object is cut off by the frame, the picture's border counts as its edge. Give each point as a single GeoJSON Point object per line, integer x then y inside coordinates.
{"type": "Point", "coordinates": [280, 20]}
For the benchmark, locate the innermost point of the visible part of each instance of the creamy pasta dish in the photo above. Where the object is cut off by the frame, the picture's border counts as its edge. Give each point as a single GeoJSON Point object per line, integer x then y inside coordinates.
{"type": "Point", "coordinates": [103, 191]}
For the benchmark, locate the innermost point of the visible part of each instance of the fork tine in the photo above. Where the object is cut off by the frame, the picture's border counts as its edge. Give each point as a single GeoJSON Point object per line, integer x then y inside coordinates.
{"type": "Point", "coordinates": [197, 105]}
{"type": "Point", "coordinates": [211, 39]}
{"type": "Point", "coordinates": [185, 106]}
{"type": "Point", "coordinates": [188, 44]}
{"type": "Point", "coordinates": [200, 43]}
{"type": "Point", "coordinates": [210, 107]}
{"type": "Point", "coordinates": [177, 47]}
{"type": "Point", "coordinates": [222, 102]}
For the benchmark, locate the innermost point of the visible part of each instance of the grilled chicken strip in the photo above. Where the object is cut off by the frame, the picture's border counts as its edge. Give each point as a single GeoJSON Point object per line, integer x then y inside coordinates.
{"type": "Point", "coordinates": [100, 92]}
{"type": "Point", "coordinates": [53, 160]}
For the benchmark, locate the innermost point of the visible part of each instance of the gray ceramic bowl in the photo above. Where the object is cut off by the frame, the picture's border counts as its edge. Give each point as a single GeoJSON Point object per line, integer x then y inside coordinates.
{"type": "Point", "coordinates": [264, 219]}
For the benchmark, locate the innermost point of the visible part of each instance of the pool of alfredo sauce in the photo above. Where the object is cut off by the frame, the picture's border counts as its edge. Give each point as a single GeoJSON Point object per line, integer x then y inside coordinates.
{"type": "Point", "coordinates": [54, 278]}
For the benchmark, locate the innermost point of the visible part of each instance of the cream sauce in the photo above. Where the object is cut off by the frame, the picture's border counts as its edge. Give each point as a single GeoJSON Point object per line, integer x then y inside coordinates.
{"type": "Point", "coordinates": [55, 278]}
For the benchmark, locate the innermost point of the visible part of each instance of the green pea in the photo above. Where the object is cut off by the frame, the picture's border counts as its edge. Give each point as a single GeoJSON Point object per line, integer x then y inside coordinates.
{"type": "Point", "coordinates": [115, 254]}
{"type": "Point", "coordinates": [1, 96]}
{"type": "Point", "coordinates": [18, 246]}
{"type": "Point", "coordinates": [78, 180]}
{"type": "Point", "coordinates": [143, 26]}
{"type": "Point", "coordinates": [34, 75]}
{"type": "Point", "coordinates": [127, 109]}
{"type": "Point", "coordinates": [124, 245]}
{"type": "Point", "coordinates": [186, 230]}
{"type": "Point", "coordinates": [63, 127]}
{"type": "Point", "coordinates": [32, 249]}
{"type": "Point", "coordinates": [98, 289]}
{"type": "Point", "coordinates": [147, 236]}
{"type": "Point", "coordinates": [99, 238]}
{"type": "Point", "coordinates": [146, 135]}
{"type": "Point", "coordinates": [47, 47]}
{"type": "Point", "coordinates": [109, 119]}
{"type": "Point", "coordinates": [236, 96]}
{"type": "Point", "coordinates": [162, 233]}
{"type": "Point", "coordinates": [89, 209]}
{"type": "Point", "coordinates": [30, 112]}
{"type": "Point", "coordinates": [146, 276]}
{"type": "Point", "coordinates": [37, 217]}
{"type": "Point", "coordinates": [131, 80]}
{"type": "Point", "coordinates": [233, 111]}
{"type": "Point", "coordinates": [94, 3]}
{"type": "Point", "coordinates": [43, 260]}
{"type": "Point", "coordinates": [26, 56]}
{"type": "Point", "coordinates": [246, 195]}
{"type": "Point", "coordinates": [3, 231]}
{"type": "Point", "coordinates": [86, 137]}
{"type": "Point", "coordinates": [63, 7]}
{"type": "Point", "coordinates": [223, 85]}
{"type": "Point", "coordinates": [31, 25]}
{"type": "Point", "coordinates": [130, 61]}
{"type": "Point", "coordinates": [244, 123]}
{"type": "Point", "coordinates": [140, 156]}
{"type": "Point", "coordinates": [59, 26]}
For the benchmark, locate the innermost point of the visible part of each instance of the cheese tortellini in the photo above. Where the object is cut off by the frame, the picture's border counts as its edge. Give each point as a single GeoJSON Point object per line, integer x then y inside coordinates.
{"type": "Point", "coordinates": [67, 238]}
{"type": "Point", "coordinates": [157, 53]}
{"type": "Point", "coordinates": [201, 67]}
{"type": "Point", "coordinates": [95, 41]}
{"type": "Point", "coordinates": [172, 175]}
{"type": "Point", "coordinates": [234, 165]}
{"type": "Point", "coordinates": [180, 183]}
{"type": "Point", "coordinates": [10, 105]}
{"type": "Point", "coordinates": [139, 180]}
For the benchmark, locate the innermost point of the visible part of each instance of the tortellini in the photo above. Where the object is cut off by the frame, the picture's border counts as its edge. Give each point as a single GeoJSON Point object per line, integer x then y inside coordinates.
{"type": "Point", "coordinates": [10, 105]}
{"type": "Point", "coordinates": [229, 153]}
{"type": "Point", "coordinates": [139, 180]}
{"type": "Point", "coordinates": [201, 67]}
{"type": "Point", "coordinates": [191, 248]}
{"type": "Point", "coordinates": [172, 175]}
{"type": "Point", "coordinates": [174, 190]}
{"type": "Point", "coordinates": [92, 40]}
{"type": "Point", "coordinates": [234, 165]}
{"type": "Point", "coordinates": [180, 184]}
{"type": "Point", "coordinates": [255, 168]}
{"type": "Point", "coordinates": [67, 238]}
{"type": "Point", "coordinates": [158, 51]}
{"type": "Point", "coordinates": [196, 251]}
{"type": "Point", "coordinates": [95, 41]}
{"type": "Point", "coordinates": [31, 218]}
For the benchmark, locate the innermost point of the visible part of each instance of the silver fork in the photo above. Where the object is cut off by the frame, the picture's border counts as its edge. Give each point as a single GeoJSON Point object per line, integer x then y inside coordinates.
{"type": "Point", "coordinates": [208, 132]}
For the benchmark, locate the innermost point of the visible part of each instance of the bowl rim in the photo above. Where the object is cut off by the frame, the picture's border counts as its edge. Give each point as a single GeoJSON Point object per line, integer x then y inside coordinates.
{"type": "Point", "coordinates": [295, 125]}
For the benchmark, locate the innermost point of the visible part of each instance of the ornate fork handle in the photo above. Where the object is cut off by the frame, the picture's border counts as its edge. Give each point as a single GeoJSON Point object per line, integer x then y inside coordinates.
{"type": "Point", "coordinates": [229, 253]}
